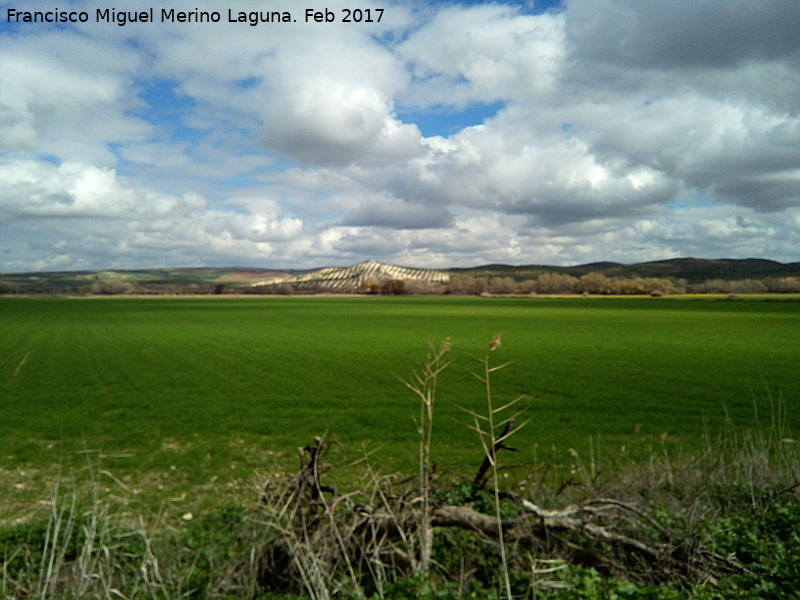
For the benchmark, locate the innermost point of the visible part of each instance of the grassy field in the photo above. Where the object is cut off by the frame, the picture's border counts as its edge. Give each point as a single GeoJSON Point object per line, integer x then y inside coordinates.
{"type": "Point", "coordinates": [197, 395]}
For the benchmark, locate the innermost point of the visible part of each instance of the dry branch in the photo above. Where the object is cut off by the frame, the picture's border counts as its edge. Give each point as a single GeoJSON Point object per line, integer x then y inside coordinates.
{"type": "Point", "coordinates": [370, 534]}
{"type": "Point", "coordinates": [483, 471]}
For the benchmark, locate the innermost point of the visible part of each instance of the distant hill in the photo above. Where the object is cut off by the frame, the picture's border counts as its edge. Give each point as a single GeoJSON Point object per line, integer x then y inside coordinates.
{"type": "Point", "coordinates": [226, 279]}
{"type": "Point", "coordinates": [693, 270]}
{"type": "Point", "coordinates": [339, 278]}
{"type": "Point", "coordinates": [157, 281]}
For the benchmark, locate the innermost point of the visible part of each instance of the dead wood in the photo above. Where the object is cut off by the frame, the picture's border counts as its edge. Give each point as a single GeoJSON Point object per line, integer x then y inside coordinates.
{"type": "Point", "coordinates": [483, 471]}
{"type": "Point", "coordinates": [375, 533]}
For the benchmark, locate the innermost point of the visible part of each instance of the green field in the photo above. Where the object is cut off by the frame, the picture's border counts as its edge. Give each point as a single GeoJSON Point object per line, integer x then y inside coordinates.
{"type": "Point", "coordinates": [184, 392]}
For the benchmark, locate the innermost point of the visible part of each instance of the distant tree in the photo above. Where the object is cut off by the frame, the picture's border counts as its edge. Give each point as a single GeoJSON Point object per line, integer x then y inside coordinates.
{"type": "Point", "coordinates": [393, 287]}
{"type": "Point", "coordinates": [466, 285]}
{"type": "Point", "coordinates": [500, 285]}
{"type": "Point", "coordinates": [370, 286]}
{"type": "Point", "coordinates": [596, 283]}
{"type": "Point", "coordinates": [111, 287]}
{"type": "Point", "coordinates": [556, 283]}
{"type": "Point", "coordinates": [4, 288]}
{"type": "Point", "coordinates": [783, 285]}
{"type": "Point", "coordinates": [526, 286]}
{"type": "Point", "coordinates": [749, 286]}
{"type": "Point", "coordinates": [422, 287]}
{"type": "Point", "coordinates": [713, 286]}
{"type": "Point", "coordinates": [667, 286]}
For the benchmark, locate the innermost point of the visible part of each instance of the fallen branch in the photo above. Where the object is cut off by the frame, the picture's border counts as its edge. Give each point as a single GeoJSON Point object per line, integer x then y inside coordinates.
{"type": "Point", "coordinates": [373, 532]}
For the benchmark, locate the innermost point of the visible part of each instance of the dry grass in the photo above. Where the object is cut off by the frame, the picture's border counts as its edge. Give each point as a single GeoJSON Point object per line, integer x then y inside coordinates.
{"type": "Point", "coordinates": [424, 384]}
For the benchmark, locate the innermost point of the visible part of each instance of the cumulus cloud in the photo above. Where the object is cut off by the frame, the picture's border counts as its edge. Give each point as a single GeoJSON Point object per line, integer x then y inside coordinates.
{"type": "Point", "coordinates": [90, 213]}
{"type": "Point", "coordinates": [675, 35]}
{"type": "Point", "coordinates": [483, 54]}
{"type": "Point", "coordinates": [62, 96]}
{"type": "Point", "coordinates": [604, 130]}
{"type": "Point", "coordinates": [327, 122]}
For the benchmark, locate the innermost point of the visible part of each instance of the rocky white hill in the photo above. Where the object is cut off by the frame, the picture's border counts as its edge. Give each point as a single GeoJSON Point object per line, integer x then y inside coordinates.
{"type": "Point", "coordinates": [354, 277]}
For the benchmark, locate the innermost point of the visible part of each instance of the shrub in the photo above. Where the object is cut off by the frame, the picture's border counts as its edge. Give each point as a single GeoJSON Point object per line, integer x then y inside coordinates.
{"type": "Point", "coordinates": [556, 283]}
{"type": "Point", "coordinates": [422, 287]}
{"type": "Point", "coordinates": [111, 287]}
{"type": "Point", "coordinates": [370, 286]}
{"type": "Point", "coordinates": [393, 287]}
{"type": "Point", "coordinates": [466, 285]}
{"type": "Point", "coordinates": [285, 289]}
{"type": "Point", "coordinates": [501, 285]}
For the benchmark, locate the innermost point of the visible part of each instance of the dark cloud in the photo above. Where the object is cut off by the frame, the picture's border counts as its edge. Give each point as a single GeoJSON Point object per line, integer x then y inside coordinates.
{"type": "Point", "coordinates": [768, 194]}
{"type": "Point", "coordinates": [676, 34]}
{"type": "Point", "coordinates": [396, 214]}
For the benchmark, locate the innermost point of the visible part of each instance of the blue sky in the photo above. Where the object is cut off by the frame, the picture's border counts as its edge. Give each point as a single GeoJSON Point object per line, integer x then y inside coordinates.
{"type": "Point", "coordinates": [448, 134]}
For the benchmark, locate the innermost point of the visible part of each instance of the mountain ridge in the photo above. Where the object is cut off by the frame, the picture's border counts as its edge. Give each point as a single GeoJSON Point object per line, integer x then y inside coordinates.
{"type": "Point", "coordinates": [217, 279]}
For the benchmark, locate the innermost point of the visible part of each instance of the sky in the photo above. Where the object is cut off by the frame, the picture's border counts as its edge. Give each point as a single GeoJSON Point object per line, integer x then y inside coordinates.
{"type": "Point", "coordinates": [448, 134]}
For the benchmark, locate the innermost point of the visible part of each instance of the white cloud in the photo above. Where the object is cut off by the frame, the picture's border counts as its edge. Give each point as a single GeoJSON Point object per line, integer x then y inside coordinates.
{"type": "Point", "coordinates": [91, 213]}
{"type": "Point", "coordinates": [64, 96]}
{"type": "Point", "coordinates": [483, 54]}
{"type": "Point", "coordinates": [281, 145]}
{"type": "Point", "coordinates": [332, 123]}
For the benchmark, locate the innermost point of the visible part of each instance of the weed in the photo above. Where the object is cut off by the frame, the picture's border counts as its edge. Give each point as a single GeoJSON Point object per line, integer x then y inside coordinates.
{"type": "Point", "coordinates": [493, 432]}
{"type": "Point", "coordinates": [424, 384]}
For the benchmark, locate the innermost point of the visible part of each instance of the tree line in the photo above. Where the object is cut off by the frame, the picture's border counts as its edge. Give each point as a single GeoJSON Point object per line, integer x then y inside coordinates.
{"type": "Point", "coordinates": [594, 283]}
{"type": "Point", "coordinates": [598, 283]}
